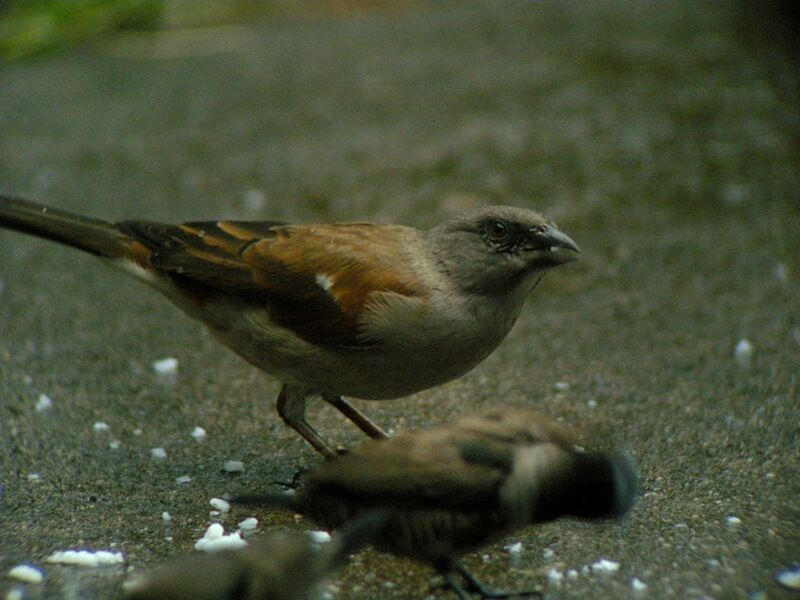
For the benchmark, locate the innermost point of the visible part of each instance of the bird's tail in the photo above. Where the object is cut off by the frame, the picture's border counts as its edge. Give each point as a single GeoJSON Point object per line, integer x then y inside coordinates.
{"type": "Point", "coordinates": [90, 235]}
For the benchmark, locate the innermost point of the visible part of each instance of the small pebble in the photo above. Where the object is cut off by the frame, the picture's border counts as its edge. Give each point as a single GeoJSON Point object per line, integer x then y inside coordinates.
{"type": "Point", "coordinates": [572, 574]}
{"type": "Point", "coordinates": [34, 477]}
{"type": "Point", "coordinates": [182, 479]}
{"type": "Point", "coordinates": [743, 353]}
{"type": "Point", "coordinates": [789, 578]}
{"type": "Point", "coordinates": [548, 553]}
{"type": "Point", "coordinates": [137, 431]}
{"type": "Point", "coordinates": [214, 513]}
{"type": "Point", "coordinates": [100, 426]}
{"type": "Point", "coordinates": [198, 433]}
{"type": "Point", "coordinates": [637, 585]}
{"type": "Point", "coordinates": [26, 573]}
{"type": "Point", "coordinates": [233, 466]}
{"type": "Point", "coordinates": [166, 517]}
{"type": "Point", "coordinates": [248, 524]}
{"type": "Point", "coordinates": [43, 403]}
{"type": "Point", "coordinates": [591, 403]}
{"type": "Point", "coordinates": [114, 444]}
{"type": "Point", "coordinates": [561, 386]}
{"type": "Point", "coordinates": [158, 453]}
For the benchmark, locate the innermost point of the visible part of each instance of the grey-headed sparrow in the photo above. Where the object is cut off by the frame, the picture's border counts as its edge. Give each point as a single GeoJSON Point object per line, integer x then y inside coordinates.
{"type": "Point", "coordinates": [365, 310]}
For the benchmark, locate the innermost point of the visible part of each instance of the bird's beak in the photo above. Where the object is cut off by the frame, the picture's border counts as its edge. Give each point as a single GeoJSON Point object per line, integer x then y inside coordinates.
{"type": "Point", "coordinates": [553, 247]}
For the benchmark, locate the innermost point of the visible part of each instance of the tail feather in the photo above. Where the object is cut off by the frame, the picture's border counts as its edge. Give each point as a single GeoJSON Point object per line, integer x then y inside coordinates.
{"type": "Point", "coordinates": [90, 235]}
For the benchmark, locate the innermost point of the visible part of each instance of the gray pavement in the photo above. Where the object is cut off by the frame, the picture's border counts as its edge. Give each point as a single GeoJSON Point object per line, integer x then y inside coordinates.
{"type": "Point", "coordinates": [662, 137]}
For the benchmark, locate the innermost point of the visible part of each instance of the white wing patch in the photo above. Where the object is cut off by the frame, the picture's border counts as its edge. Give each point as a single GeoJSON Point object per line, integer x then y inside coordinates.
{"type": "Point", "coordinates": [324, 281]}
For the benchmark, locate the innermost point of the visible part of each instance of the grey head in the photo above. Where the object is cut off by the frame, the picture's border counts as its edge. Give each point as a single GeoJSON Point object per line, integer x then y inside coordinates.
{"type": "Point", "coordinates": [499, 248]}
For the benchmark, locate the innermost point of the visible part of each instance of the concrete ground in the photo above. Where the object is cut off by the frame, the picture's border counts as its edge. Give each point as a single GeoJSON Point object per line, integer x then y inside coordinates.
{"type": "Point", "coordinates": [663, 137]}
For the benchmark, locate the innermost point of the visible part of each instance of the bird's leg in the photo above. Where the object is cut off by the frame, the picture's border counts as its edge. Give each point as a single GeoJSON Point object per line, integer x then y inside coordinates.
{"type": "Point", "coordinates": [292, 409]}
{"type": "Point", "coordinates": [474, 585]}
{"type": "Point", "coordinates": [362, 421]}
{"type": "Point", "coordinates": [455, 586]}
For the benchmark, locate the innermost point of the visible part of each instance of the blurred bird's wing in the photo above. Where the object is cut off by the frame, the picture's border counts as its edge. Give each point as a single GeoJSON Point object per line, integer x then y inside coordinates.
{"type": "Point", "coordinates": [459, 466]}
{"type": "Point", "coordinates": [411, 471]}
{"type": "Point", "coordinates": [316, 280]}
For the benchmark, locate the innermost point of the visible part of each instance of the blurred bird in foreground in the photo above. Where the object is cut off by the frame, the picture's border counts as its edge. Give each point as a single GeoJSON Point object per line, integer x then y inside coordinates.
{"type": "Point", "coordinates": [365, 310]}
{"type": "Point", "coordinates": [453, 489]}
{"type": "Point", "coordinates": [280, 566]}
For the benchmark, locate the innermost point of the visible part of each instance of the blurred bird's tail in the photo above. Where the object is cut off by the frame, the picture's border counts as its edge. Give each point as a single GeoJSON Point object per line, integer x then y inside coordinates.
{"type": "Point", "coordinates": [90, 235]}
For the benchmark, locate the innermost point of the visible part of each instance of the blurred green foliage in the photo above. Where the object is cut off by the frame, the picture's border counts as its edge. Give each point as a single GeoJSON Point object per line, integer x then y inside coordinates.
{"type": "Point", "coordinates": [29, 27]}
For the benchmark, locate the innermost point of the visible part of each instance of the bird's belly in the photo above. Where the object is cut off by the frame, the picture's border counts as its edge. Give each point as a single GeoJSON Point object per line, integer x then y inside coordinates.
{"type": "Point", "coordinates": [389, 370]}
{"type": "Point", "coordinates": [366, 373]}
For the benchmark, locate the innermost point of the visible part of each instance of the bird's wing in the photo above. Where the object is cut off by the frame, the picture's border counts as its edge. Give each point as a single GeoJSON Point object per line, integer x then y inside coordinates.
{"type": "Point", "coordinates": [419, 471]}
{"type": "Point", "coordinates": [460, 467]}
{"type": "Point", "coordinates": [316, 280]}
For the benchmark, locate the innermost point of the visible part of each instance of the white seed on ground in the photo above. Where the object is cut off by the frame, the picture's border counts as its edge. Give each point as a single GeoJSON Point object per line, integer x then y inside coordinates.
{"type": "Point", "coordinates": [637, 585]}
{"type": "Point", "coordinates": [789, 578]}
{"type": "Point", "coordinates": [782, 272]}
{"type": "Point", "coordinates": [555, 576]}
{"type": "Point", "coordinates": [16, 593]}
{"type": "Point", "coordinates": [248, 524]}
{"type": "Point", "coordinates": [114, 444]}
{"type": "Point", "coordinates": [319, 537]}
{"type": "Point", "coordinates": [220, 504]}
{"type": "Point", "coordinates": [85, 558]}
{"type": "Point", "coordinates": [100, 426]}
{"type": "Point", "coordinates": [214, 513]}
{"type": "Point", "coordinates": [733, 521]}
{"type": "Point", "coordinates": [166, 366]}
{"type": "Point", "coordinates": [743, 353]}
{"type": "Point", "coordinates": [548, 553]}
{"type": "Point", "coordinates": [605, 566]}
{"type": "Point", "coordinates": [43, 403]}
{"type": "Point", "coordinates": [182, 479]}
{"type": "Point", "coordinates": [26, 573]}
{"type": "Point", "coordinates": [561, 386]}
{"type": "Point", "coordinates": [215, 539]}
{"type": "Point", "coordinates": [166, 517]}
{"type": "Point", "coordinates": [198, 433]}
{"type": "Point", "coordinates": [34, 477]}
{"type": "Point", "coordinates": [158, 453]}
{"type": "Point", "coordinates": [137, 431]}
{"type": "Point", "coordinates": [254, 200]}
{"type": "Point", "coordinates": [572, 574]}
{"type": "Point", "coordinates": [591, 403]}
{"type": "Point", "coordinates": [514, 548]}
{"type": "Point", "coordinates": [233, 466]}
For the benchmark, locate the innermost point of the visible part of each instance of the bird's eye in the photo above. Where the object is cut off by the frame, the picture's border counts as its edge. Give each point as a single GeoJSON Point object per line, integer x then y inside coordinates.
{"type": "Point", "coordinates": [497, 230]}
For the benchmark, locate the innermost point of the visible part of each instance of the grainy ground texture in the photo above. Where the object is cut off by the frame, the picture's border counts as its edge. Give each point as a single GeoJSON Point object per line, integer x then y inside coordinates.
{"type": "Point", "coordinates": [663, 137]}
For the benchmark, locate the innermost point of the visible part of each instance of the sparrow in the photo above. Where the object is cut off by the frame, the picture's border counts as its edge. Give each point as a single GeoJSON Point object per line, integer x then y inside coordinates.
{"type": "Point", "coordinates": [453, 489]}
{"type": "Point", "coordinates": [278, 566]}
{"type": "Point", "coordinates": [365, 310]}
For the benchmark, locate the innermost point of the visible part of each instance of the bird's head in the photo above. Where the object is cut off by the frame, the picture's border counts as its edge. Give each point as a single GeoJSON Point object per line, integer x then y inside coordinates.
{"type": "Point", "coordinates": [498, 248]}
